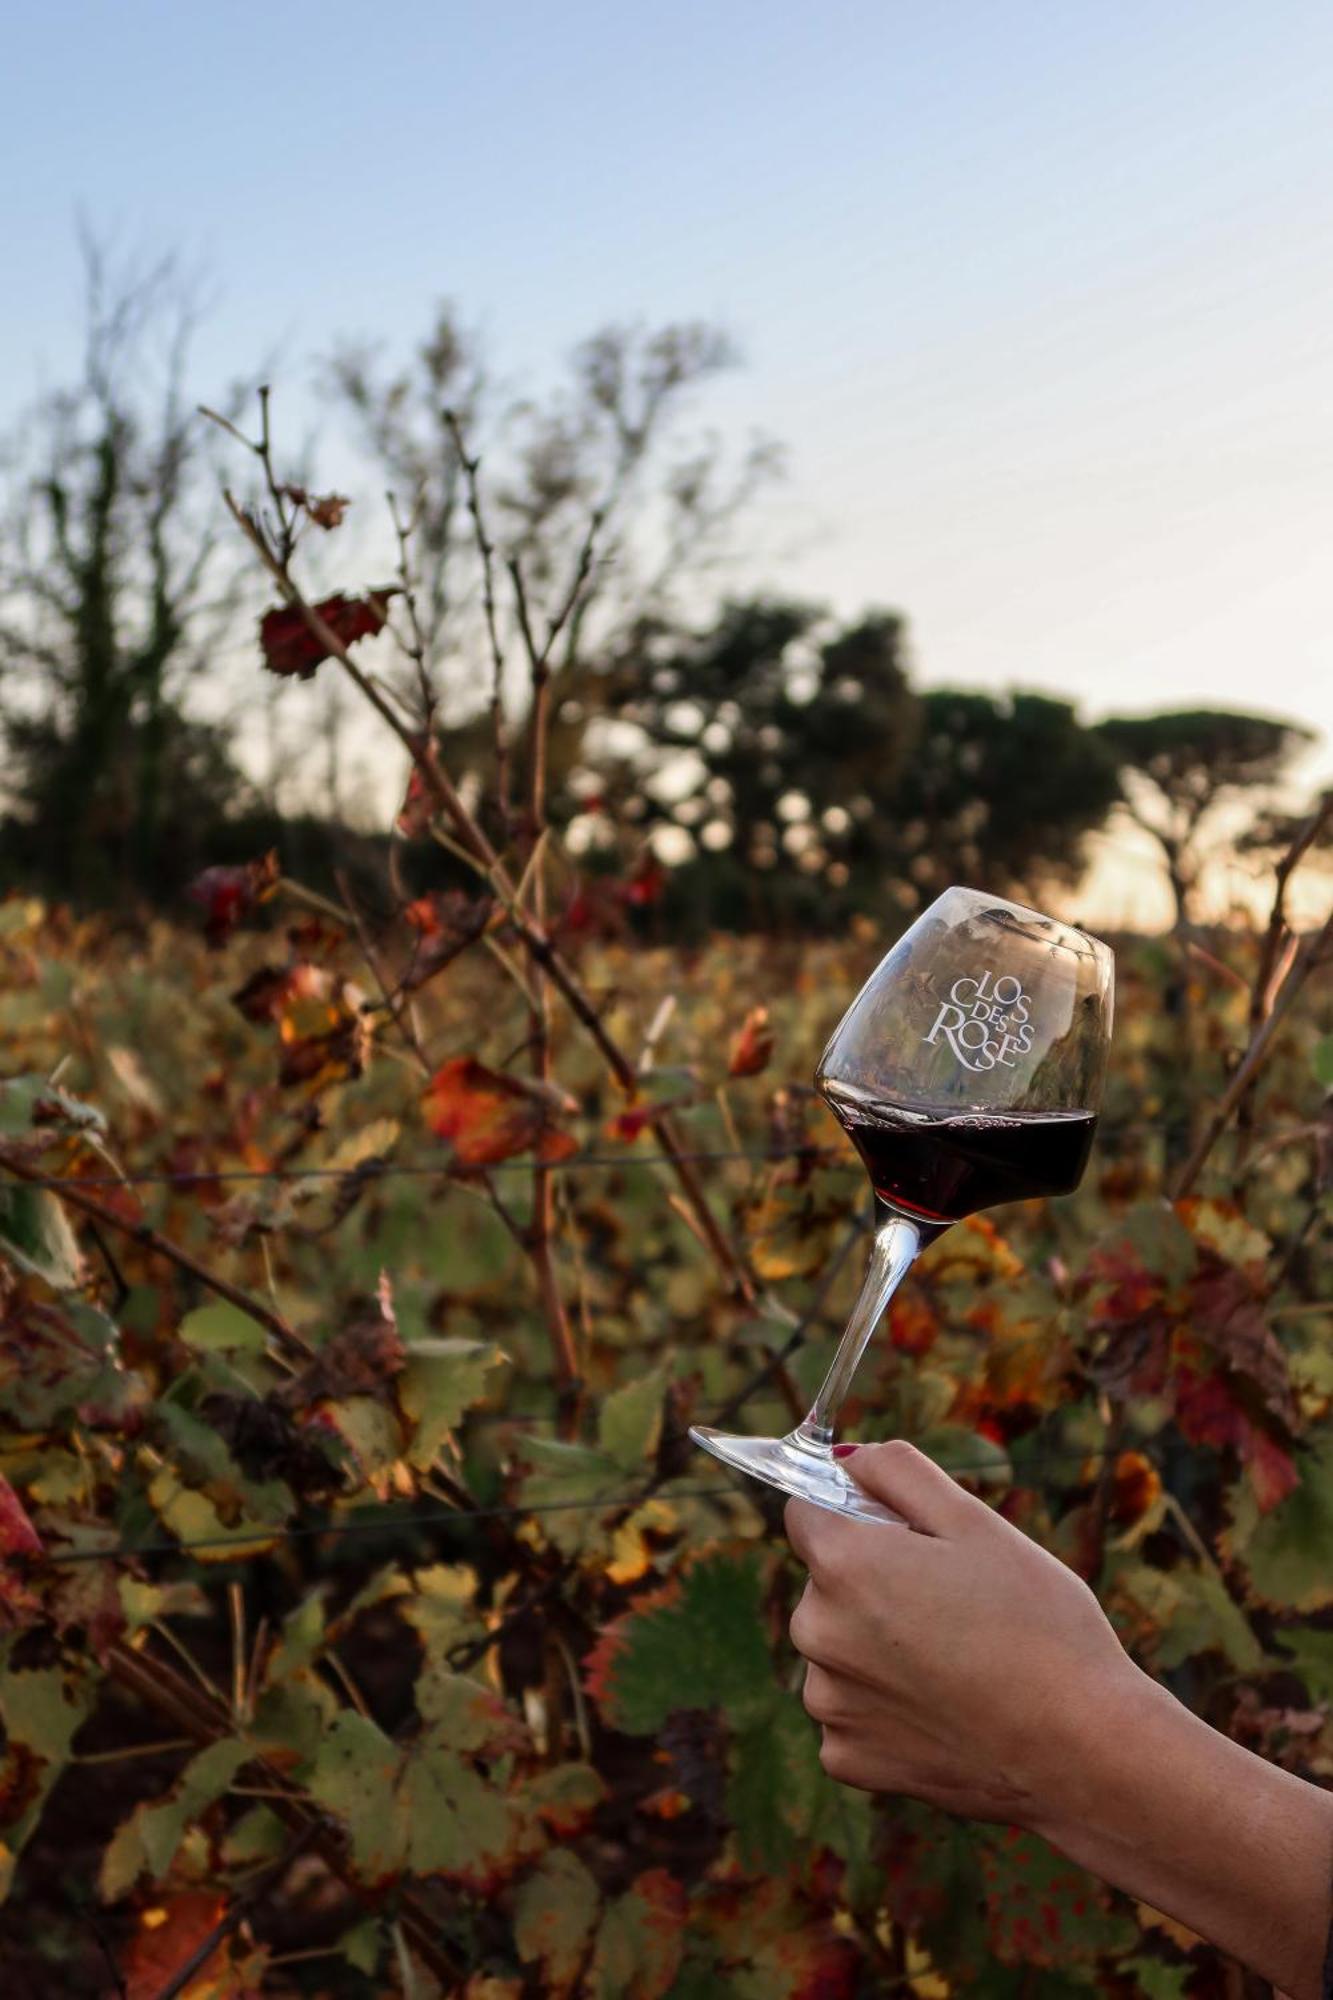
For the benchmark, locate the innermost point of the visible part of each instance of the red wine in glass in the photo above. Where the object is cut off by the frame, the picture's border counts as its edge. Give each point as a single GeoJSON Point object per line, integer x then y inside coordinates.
{"type": "Point", "coordinates": [967, 1072]}
{"type": "Point", "coordinates": [936, 1168]}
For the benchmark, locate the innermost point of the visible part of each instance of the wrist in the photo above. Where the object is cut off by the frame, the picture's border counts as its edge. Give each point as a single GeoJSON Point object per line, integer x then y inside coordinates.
{"type": "Point", "coordinates": [1166, 1808]}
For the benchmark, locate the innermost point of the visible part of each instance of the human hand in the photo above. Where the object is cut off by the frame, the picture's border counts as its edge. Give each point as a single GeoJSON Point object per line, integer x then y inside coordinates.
{"type": "Point", "coordinates": [953, 1660]}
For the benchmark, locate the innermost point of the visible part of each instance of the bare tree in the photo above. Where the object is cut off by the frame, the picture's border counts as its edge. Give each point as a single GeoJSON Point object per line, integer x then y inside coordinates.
{"type": "Point", "coordinates": [115, 591]}
{"type": "Point", "coordinates": [607, 447]}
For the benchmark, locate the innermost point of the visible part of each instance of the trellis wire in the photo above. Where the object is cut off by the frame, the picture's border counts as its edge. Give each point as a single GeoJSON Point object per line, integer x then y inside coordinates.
{"type": "Point", "coordinates": [436, 1517]}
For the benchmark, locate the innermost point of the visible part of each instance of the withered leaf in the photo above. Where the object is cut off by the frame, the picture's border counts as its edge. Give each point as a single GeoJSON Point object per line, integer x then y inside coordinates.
{"type": "Point", "coordinates": [289, 646]}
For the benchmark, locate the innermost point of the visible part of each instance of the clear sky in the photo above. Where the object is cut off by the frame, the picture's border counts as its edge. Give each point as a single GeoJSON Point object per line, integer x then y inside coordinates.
{"type": "Point", "coordinates": [1039, 296]}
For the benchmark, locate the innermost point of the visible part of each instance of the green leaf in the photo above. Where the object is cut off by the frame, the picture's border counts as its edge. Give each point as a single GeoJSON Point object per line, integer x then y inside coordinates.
{"type": "Point", "coordinates": [1322, 1061]}
{"type": "Point", "coordinates": [1041, 1909]}
{"type": "Point", "coordinates": [1193, 1614]}
{"type": "Point", "coordinates": [1159, 1239]}
{"type": "Point", "coordinates": [142, 1602]}
{"type": "Point", "coordinates": [40, 1711]}
{"type": "Point", "coordinates": [292, 1716]}
{"type": "Point", "coordinates": [967, 1453]}
{"type": "Point", "coordinates": [554, 1912]}
{"type": "Point", "coordinates": [147, 1841]}
{"type": "Point", "coordinates": [566, 1482]}
{"type": "Point", "coordinates": [463, 1713]}
{"type": "Point", "coordinates": [362, 1945]}
{"type": "Point", "coordinates": [457, 1824]}
{"type": "Point", "coordinates": [1313, 1659]}
{"type": "Point", "coordinates": [304, 1637]}
{"type": "Point", "coordinates": [442, 1380]}
{"type": "Point", "coordinates": [936, 1855]}
{"type": "Point", "coordinates": [700, 1644]}
{"type": "Point", "coordinates": [565, 1797]}
{"type": "Point", "coordinates": [630, 1424]}
{"type": "Point", "coordinates": [222, 1328]}
{"type": "Point", "coordinates": [640, 1942]}
{"type": "Point", "coordinates": [370, 1431]}
{"type": "Point", "coordinates": [1156, 1979]}
{"type": "Point", "coordinates": [440, 1605]}
{"type": "Point", "coordinates": [36, 1236]}
{"type": "Point", "coordinates": [424, 1808]}
{"type": "Point", "coordinates": [354, 1776]}
{"type": "Point", "coordinates": [258, 1835]}
{"type": "Point", "coordinates": [777, 1786]}
{"type": "Point", "coordinates": [1285, 1552]}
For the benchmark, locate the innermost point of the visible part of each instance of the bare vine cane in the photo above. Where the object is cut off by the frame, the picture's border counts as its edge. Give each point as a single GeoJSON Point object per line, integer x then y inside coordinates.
{"type": "Point", "coordinates": [274, 539]}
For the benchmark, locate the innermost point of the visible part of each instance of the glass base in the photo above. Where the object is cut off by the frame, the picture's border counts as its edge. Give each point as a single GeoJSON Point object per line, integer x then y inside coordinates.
{"type": "Point", "coordinates": [794, 1465]}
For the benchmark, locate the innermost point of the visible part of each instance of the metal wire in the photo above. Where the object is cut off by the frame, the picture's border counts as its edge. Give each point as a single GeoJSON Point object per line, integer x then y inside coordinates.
{"type": "Point", "coordinates": [437, 1517]}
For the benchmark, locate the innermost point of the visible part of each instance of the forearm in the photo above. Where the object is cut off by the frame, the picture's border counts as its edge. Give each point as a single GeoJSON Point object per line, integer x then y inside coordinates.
{"type": "Point", "coordinates": [1169, 1810]}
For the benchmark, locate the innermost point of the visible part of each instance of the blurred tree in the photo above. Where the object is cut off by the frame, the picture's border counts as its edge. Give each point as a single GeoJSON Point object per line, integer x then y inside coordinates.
{"type": "Point", "coordinates": [758, 750]}
{"type": "Point", "coordinates": [113, 592]}
{"type": "Point", "coordinates": [1276, 829]}
{"type": "Point", "coordinates": [1001, 792]}
{"type": "Point", "coordinates": [1187, 770]}
{"type": "Point", "coordinates": [792, 774]}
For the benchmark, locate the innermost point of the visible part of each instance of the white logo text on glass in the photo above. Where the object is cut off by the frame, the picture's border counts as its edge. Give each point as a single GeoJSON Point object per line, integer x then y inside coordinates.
{"type": "Point", "coordinates": [985, 1021]}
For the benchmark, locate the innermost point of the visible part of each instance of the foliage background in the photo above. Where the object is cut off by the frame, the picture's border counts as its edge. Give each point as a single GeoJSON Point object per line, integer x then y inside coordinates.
{"type": "Point", "coordinates": [371, 1232]}
{"type": "Point", "coordinates": [620, 1794]}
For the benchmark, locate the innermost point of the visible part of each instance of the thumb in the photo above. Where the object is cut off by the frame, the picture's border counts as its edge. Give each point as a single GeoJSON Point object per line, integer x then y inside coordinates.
{"type": "Point", "coordinates": [913, 1485]}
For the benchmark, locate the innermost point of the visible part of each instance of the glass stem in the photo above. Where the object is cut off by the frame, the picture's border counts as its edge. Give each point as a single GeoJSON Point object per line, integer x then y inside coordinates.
{"type": "Point", "coordinates": [897, 1242]}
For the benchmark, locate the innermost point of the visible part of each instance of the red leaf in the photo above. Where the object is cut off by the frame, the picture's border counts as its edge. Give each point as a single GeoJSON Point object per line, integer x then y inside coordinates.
{"type": "Point", "coordinates": [752, 1048]}
{"type": "Point", "coordinates": [228, 894]}
{"type": "Point", "coordinates": [290, 647]}
{"type": "Point", "coordinates": [445, 923]}
{"type": "Point", "coordinates": [1272, 1472]}
{"type": "Point", "coordinates": [489, 1117]}
{"type": "Point", "coordinates": [646, 886]}
{"type": "Point", "coordinates": [418, 807]}
{"type": "Point", "coordinates": [628, 1124]}
{"type": "Point", "coordinates": [18, 1537]}
{"type": "Point", "coordinates": [1209, 1413]}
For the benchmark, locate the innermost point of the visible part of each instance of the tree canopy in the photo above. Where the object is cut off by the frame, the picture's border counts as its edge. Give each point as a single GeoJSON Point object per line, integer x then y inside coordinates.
{"type": "Point", "coordinates": [1181, 767]}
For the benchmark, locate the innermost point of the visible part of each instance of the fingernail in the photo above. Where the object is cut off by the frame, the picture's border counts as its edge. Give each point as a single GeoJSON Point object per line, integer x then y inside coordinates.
{"type": "Point", "coordinates": [845, 1450]}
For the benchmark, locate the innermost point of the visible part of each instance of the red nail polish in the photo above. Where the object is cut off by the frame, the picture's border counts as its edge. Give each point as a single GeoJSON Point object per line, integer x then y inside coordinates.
{"type": "Point", "coordinates": [845, 1450]}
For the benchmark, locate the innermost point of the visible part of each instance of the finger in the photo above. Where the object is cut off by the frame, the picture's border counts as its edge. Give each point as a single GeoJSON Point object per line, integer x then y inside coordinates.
{"type": "Point", "coordinates": [803, 1522]}
{"type": "Point", "coordinates": [822, 1695]}
{"type": "Point", "coordinates": [848, 1761]}
{"type": "Point", "coordinates": [810, 1628]}
{"type": "Point", "coordinates": [915, 1487]}
{"type": "Point", "coordinates": [823, 1636]}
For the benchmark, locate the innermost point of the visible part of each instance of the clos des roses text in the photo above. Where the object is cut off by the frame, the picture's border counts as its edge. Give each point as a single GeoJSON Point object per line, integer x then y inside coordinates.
{"type": "Point", "coordinates": [985, 1021]}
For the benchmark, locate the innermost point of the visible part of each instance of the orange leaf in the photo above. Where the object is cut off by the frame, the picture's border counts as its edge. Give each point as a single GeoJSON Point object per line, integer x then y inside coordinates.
{"type": "Point", "coordinates": [1137, 1485]}
{"type": "Point", "coordinates": [168, 1933]}
{"type": "Point", "coordinates": [489, 1117]}
{"type": "Point", "coordinates": [752, 1048]}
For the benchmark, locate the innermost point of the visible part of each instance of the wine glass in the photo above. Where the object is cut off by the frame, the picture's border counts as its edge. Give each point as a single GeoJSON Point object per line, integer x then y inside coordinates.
{"type": "Point", "coordinates": [967, 1071]}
